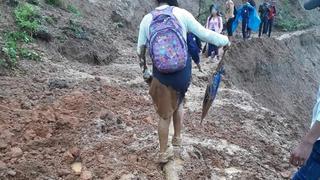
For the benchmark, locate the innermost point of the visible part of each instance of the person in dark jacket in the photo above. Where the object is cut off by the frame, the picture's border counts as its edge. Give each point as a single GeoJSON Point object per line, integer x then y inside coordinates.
{"type": "Point", "coordinates": [264, 13]}
{"type": "Point", "coordinates": [194, 48]}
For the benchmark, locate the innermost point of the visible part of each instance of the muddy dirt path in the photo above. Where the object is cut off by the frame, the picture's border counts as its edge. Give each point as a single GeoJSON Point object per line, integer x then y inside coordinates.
{"type": "Point", "coordinates": [57, 113]}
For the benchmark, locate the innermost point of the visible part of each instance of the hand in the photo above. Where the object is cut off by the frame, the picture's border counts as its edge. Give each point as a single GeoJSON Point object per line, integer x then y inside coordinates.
{"type": "Point", "coordinates": [301, 153]}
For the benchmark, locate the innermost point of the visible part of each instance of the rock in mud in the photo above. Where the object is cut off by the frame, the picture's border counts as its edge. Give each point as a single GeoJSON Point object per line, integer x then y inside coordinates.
{"type": "Point", "coordinates": [3, 144]}
{"type": "Point", "coordinates": [68, 157]}
{"type": "Point", "coordinates": [77, 167]}
{"type": "Point", "coordinates": [39, 80]}
{"type": "Point", "coordinates": [108, 115]}
{"type": "Point", "coordinates": [63, 172]}
{"type": "Point", "coordinates": [75, 151]}
{"type": "Point", "coordinates": [43, 35]}
{"type": "Point", "coordinates": [29, 135]}
{"type": "Point", "coordinates": [58, 84]}
{"type": "Point", "coordinates": [11, 173]}
{"type": "Point", "coordinates": [2, 165]}
{"type": "Point", "coordinates": [86, 175]}
{"type": "Point", "coordinates": [16, 152]}
{"type": "Point", "coordinates": [26, 105]}
{"type": "Point", "coordinates": [286, 174]}
{"type": "Point", "coordinates": [34, 2]}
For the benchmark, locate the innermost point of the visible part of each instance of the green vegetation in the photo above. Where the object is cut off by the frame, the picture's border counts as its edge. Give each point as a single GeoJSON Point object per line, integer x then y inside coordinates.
{"type": "Point", "coordinates": [204, 10]}
{"type": "Point", "coordinates": [28, 21]}
{"type": "Point", "coordinates": [77, 30]}
{"type": "Point", "coordinates": [12, 49]}
{"type": "Point", "coordinates": [287, 21]}
{"type": "Point", "coordinates": [27, 17]}
{"type": "Point", "coordinates": [73, 9]}
{"type": "Point", "coordinates": [50, 20]}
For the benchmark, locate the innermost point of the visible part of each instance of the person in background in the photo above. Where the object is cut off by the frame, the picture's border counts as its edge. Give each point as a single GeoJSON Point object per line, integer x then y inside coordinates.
{"type": "Point", "coordinates": [194, 49]}
{"type": "Point", "coordinates": [307, 154]}
{"type": "Point", "coordinates": [230, 16]}
{"type": "Point", "coordinates": [271, 15]}
{"type": "Point", "coordinates": [171, 64]}
{"type": "Point", "coordinates": [214, 23]}
{"type": "Point", "coordinates": [253, 4]}
{"type": "Point", "coordinates": [264, 14]}
{"type": "Point", "coordinates": [245, 13]}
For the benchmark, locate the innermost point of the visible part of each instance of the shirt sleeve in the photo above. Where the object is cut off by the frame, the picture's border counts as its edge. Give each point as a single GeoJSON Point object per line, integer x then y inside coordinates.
{"type": "Point", "coordinates": [204, 34]}
{"type": "Point", "coordinates": [143, 36]}
{"type": "Point", "coordinates": [317, 110]}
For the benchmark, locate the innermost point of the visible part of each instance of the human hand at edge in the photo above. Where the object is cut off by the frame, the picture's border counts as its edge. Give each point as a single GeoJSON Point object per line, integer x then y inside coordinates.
{"type": "Point", "coordinates": [301, 153]}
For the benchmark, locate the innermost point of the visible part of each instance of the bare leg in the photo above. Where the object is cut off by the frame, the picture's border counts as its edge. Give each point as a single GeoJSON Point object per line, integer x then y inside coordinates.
{"type": "Point", "coordinates": [177, 122]}
{"type": "Point", "coordinates": [163, 131]}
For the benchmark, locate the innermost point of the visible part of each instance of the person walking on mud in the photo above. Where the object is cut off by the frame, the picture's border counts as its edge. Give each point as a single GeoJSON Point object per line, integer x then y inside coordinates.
{"type": "Point", "coordinates": [271, 15]}
{"type": "Point", "coordinates": [245, 13]}
{"type": "Point", "coordinates": [307, 154]}
{"type": "Point", "coordinates": [264, 13]}
{"type": "Point", "coordinates": [253, 4]}
{"type": "Point", "coordinates": [214, 23]}
{"type": "Point", "coordinates": [164, 32]}
{"type": "Point", "coordinates": [194, 49]}
{"type": "Point", "coordinates": [230, 16]}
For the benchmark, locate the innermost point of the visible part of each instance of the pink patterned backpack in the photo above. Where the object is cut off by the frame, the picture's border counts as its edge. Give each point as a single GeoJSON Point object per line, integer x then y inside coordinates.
{"type": "Point", "coordinates": [167, 46]}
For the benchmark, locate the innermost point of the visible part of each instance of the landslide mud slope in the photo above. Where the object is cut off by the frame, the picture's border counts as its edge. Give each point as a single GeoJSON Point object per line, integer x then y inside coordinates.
{"type": "Point", "coordinates": [58, 113]}
{"type": "Point", "coordinates": [86, 101]}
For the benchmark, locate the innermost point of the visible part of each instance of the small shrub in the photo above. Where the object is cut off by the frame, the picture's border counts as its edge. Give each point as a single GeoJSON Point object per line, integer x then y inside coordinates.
{"type": "Point", "coordinates": [27, 54]}
{"type": "Point", "coordinates": [27, 17]}
{"type": "Point", "coordinates": [287, 20]}
{"type": "Point", "coordinates": [77, 30]}
{"type": "Point", "coordinates": [50, 20]}
{"type": "Point", "coordinates": [12, 49]}
{"type": "Point", "coordinates": [58, 3]}
{"type": "Point", "coordinates": [73, 9]}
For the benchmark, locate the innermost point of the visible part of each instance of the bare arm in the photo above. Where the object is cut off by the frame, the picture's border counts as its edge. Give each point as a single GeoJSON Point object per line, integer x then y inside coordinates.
{"type": "Point", "coordinates": [142, 57]}
{"type": "Point", "coordinates": [204, 34]}
{"type": "Point", "coordinates": [304, 149]}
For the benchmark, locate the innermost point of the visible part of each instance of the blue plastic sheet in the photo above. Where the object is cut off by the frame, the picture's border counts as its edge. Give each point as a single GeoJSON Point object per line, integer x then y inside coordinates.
{"type": "Point", "coordinates": [254, 19]}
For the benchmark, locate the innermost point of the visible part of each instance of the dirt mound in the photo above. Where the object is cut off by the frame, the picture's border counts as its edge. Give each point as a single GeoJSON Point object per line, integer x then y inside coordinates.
{"type": "Point", "coordinates": [281, 75]}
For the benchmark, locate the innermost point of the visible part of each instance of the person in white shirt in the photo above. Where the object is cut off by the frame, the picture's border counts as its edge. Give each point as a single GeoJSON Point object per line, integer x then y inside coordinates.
{"type": "Point", "coordinates": [168, 89]}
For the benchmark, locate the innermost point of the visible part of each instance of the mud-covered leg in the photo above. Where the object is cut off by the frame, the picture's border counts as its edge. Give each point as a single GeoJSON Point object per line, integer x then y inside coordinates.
{"type": "Point", "coordinates": [177, 124]}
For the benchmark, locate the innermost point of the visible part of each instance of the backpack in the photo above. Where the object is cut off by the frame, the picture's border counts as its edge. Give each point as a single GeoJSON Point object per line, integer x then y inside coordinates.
{"type": "Point", "coordinates": [219, 21]}
{"type": "Point", "coordinates": [167, 46]}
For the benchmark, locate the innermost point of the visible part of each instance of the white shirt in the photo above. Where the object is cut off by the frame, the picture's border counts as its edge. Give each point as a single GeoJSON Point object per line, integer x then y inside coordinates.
{"type": "Point", "coordinates": [188, 24]}
{"type": "Point", "coordinates": [316, 110]}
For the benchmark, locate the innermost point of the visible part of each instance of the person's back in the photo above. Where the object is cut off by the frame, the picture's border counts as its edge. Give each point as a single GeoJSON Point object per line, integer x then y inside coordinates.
{"type": "Point", "coordinates": [168, 89]}
{"type": "Point", "coordinates": [264, 10]}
